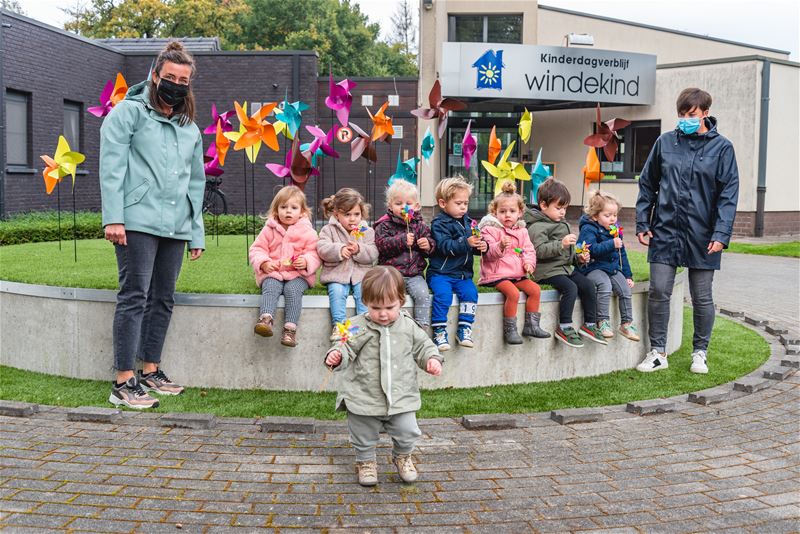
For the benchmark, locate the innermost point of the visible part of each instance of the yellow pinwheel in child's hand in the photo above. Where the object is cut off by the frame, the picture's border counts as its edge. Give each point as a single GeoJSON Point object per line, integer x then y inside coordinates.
{"type": "Point", "coordinates": [65, 162]}
{"type": "Point", "coordinates": [505, 170]}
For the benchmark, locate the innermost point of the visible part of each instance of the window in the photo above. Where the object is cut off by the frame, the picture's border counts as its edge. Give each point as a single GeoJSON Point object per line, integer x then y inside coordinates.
{"type": "Point", "coordinates": [635, 144]}
{"type": "Point", "coordinates": [72, 124]}
{"type": "Point", "coordinates": [485, 28]}
{"type": "Point", "coordinates": [17, 129]}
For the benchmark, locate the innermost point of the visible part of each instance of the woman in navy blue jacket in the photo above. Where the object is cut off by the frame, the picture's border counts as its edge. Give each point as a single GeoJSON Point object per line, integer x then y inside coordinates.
{"type": "Point", "coordinates": [688, 192]}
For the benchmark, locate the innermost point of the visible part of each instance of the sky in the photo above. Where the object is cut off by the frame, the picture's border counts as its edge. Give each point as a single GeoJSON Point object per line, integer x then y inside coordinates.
{"type": "Point", "coordinates": [770, 23]}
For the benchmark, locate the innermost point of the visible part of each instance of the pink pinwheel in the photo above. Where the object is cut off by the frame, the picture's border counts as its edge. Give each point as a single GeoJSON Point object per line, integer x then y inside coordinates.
{"type": "Point", "coordinates": [323, 141]}
{"type": "Point", "coordinates": [221, 119]}
{"type": "Point", "coordinates": [112, 93]}
{"type": "Point", "coordinates": [468, 146]}
{"type": "Point", "coordinates": [282, 171]}
{"type": "Point", "coordinates": [211, 162]}
{"type": "Point", "coordinates": [340, 99]}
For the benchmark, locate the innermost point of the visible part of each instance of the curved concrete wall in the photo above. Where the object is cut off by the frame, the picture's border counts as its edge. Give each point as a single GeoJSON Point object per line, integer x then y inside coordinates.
{"type": "Point", "coordinates": [67, 332]}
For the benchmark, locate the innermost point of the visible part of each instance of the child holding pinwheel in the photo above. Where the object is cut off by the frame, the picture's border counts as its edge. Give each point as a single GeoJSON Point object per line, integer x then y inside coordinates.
{"type": "Point", "coordinates": [347, 249]}
{"type": "Point", "coordinates": [608, 266]}
{"type": "Point", "coordinates": [508, 261]}
{"type": "Point", "coordinates": [376, 361]}
{"type": "Point", "coordinates": [557, 253]}
{"type": "Point", "coordinates": [284, 258]}
{"type": "Point", "coordinates": [404, 241]}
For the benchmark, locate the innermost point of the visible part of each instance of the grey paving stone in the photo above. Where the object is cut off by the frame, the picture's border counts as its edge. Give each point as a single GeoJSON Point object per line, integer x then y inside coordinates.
{"type": "Point", "coordinates": [302, 425]}
{"type": "Point", "coordinates": [93, 414]}
{"type": "Point", "coordinates": [731, 312]}
{"type": "Point", "coordinates": [17, 409]}
{"type": "Point", "coordinates": [789, 338]}
{"type": "Point", "coordinates": [751, 384]}
{"type": "Point", "coordinates": [650, 407]}
{"type": "Point", "coordinates": [792, 350]}
{"type": "Point", "coordinates": [711, 395]}
{"type": "Point", "coordinates": [755, 320]}
{"type": "Point", "coordinates": [776, 329]}
{"type": "Point", "coordinates": [488, 422]}
{"type": "Point", "coordinates": [778, 372]}
{"type": "Point", "coordinates": [576, 415]}
{"type": "Point", "coordinates": [791, 362]}
{"type": "Point", "coordinates": [198, 421]}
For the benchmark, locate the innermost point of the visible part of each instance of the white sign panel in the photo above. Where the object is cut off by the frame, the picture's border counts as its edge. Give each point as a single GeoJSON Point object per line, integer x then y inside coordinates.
{"type": "Point", "coordinates": [532, 72]}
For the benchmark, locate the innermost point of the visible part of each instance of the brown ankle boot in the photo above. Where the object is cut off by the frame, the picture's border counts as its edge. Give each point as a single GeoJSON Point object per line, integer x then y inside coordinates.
{"type": "Point", "coordinates": [289, 338]}
{"type": "Point", "coordinates": [264, 326]}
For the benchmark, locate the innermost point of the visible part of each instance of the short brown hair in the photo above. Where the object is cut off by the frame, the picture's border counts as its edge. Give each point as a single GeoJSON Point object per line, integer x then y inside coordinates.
{"type": "Point", "coordinates": [174, 52]}
{"type": "Point", "coordinates": [343, 201]}
{"type": "Point", "coordinates": [692, 97]}
{"type": "Point", "coordinates": [551, 191]}
{"type": "Point", "coordinates": [383, 284]}
{"type": "Point", "coordinates": [447, 187]}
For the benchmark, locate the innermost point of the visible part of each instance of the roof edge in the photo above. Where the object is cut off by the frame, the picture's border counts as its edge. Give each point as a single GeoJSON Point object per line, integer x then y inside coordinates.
{"type": "Point", "coordinates": [44, 25]}
{"type": "Point", "coordinates": [722, 60]}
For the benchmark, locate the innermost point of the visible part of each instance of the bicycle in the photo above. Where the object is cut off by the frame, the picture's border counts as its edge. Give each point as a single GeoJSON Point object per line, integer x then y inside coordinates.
{"type": "Point", "coordinates": [214, 202]}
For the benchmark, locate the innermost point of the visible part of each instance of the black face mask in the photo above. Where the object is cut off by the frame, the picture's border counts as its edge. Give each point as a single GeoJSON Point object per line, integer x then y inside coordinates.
{"type": "Point", "coordinates": [172, 93]}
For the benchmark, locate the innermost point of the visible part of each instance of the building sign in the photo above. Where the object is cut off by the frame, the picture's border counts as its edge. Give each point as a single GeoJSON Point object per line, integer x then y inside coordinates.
{"type": "Point", "coordinates": [532, 72]}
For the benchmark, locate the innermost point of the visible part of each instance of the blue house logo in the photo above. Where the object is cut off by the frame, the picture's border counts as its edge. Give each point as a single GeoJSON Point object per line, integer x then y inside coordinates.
{"type": "Point", "coordinates": [490, 70]}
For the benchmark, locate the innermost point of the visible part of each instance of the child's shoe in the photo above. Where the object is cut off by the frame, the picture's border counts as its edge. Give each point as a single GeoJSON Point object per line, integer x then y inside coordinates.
{"type": "Point", "coordinates": [367, 473]}
{"type": "Point", "coordinates": [569, 336]}
{"type": "Point", "coordinates": [532, 328]}
{"type": "Point", "coordinates": [653, 361]}
{"type": "Point", "coordinates": [405, 467]}
{"type": "Point", "coordinates": [440, 338]}
{"type": "Point", "coordinates": [510, 334]}
{"type": "Point", "coordinates": [464, 336]}
{"type": "Point", "coordinates": [605, 329]}
{"type": "Point", "coordinates": [593, 333]}
{"type": "Point", "coordinates": [264, 326]}
{"type": "Point", "coordinates": [629, 330]}
{"type": "Point", "coordinates": [289, 337]}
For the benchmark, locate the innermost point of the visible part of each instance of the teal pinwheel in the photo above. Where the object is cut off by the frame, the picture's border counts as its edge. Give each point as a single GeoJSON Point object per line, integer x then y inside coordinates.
{"type": "Point", "coordinates": [539, 174]}
{"type": "Point", "coordinates": [406, 170]}
{"type": "Point", "coordinates": [428, 144]}
{"type": "Point", "coordinates": [291, 116]}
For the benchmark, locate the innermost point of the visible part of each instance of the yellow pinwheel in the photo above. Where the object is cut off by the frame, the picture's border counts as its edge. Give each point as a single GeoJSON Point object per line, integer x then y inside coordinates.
{"type": "Point", "coordinates": [64, 163]}
{"type": "Point", "coordinates": [505, 170]}
{"type": "Point", "coordinates": [525, 123]}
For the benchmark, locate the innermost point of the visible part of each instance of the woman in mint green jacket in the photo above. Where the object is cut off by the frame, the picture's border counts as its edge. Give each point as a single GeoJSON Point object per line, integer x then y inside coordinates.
{"type": "Point", "coordinates": [152, 183]}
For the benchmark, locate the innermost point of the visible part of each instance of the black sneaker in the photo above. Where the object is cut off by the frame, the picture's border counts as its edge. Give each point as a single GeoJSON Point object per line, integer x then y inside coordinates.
{"type": "Point", "coordinates": [132, 395]}
{"type": "Point", "coordinates": [158, 382]}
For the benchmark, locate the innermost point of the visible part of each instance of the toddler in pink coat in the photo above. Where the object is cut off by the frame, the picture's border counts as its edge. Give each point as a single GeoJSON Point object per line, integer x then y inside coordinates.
{"type": "Point", "coordinates": [285, 261]}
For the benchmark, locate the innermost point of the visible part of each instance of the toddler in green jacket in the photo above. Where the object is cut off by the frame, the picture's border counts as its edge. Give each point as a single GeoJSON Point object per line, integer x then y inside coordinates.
{"type": "Point", "coordinates": [376, 359]}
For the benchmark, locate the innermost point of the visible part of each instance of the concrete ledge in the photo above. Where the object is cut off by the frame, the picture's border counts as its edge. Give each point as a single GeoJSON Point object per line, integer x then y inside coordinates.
{"type": "Point", "coordinates": [194, 421]}
{"type": "Point", "coordinates": [789, 338]}
{"type": "Point", "coordinates": [91, 414]}
{"type": "Point", "coordinates": [755, 321]}
{"type": "Point", "coordinates": [494, 421]}
{"type": "Point", "coordinates": [711, 395]}
{"type": "Point", "coordinates": [791, 362]}
{"type": "Point", "coordinates": [751, 384]}
{"type": "Point", "coordinates": [776, 330]}
{"type": "Point", "coordinates": [576, 415]}
{"type": "Point", "coordinates": [731, 313]}
{"type": "Point", "coordinates": [301, 425]}
{"type": "Point", "coordinates": [650, 407]}
{"type": "Point", "coordinates": [17, 409]}
{"type": "Point", "coordinates": [778, 372]}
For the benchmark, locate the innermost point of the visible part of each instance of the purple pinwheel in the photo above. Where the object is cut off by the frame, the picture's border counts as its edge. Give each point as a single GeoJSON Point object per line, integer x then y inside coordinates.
{"type": "Point", "coordinates": [340, 99]}
{"type": "Point", "coordinates": [211, 162]}
{"type": "Point", "coordinates": [323, 141]}
{"type": "Point", "coordinates": [105, 101]}
{"type": "Point", "coordinates": [221, 119]}
{"type": "Point", "coordinates": [468, 146]}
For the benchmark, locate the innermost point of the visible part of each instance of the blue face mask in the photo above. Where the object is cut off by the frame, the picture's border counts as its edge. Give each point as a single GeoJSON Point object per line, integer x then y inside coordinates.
{"type": "Point", "coordinates": [689, 125]}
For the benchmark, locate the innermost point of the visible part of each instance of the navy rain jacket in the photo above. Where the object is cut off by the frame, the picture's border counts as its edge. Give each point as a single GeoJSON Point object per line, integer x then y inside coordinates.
{"type": "Point", "coordinates": [453, 254]}
{"type": "Point", "coordinates": [688, 191]}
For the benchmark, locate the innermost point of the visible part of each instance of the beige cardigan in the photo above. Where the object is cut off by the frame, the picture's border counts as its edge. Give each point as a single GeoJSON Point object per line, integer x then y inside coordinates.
{"type": "Point", "coordinates": [332, 239]}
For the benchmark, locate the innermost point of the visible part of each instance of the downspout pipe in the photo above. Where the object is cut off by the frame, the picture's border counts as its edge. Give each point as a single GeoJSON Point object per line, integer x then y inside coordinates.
{"type": "Point", "coordinates": [761, 189]}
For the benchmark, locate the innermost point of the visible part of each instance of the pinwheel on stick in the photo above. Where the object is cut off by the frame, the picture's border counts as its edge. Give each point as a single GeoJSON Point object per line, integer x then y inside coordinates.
{"type": "Point", "coordinates": [112, 94]}
{"type": "Point", "coordinates": [64, 163]}
{"type": "Point", "coordinates": [505, 170]}
{"type": "Point", "coordinates": [439, 107]}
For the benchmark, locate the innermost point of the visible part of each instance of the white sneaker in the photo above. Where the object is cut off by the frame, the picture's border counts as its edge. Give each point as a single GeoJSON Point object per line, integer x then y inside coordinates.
{"type": "Point", "coordinates": [699, 364]}
{"type": "Point", "coordinates": [653, 361]}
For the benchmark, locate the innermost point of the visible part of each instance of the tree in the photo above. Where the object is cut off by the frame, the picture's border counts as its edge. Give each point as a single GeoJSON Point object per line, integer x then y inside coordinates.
{"type": "Point", "coordinates": [12, 5]}
{"type": "Point", "coordinates": [404, 30]}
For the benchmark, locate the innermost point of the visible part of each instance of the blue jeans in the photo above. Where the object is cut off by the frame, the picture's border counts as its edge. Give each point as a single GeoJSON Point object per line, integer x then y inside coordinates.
{"type": "Point", "coordinates": [443, 287]}
{"type": "Point", "coordinates": [337, 294]}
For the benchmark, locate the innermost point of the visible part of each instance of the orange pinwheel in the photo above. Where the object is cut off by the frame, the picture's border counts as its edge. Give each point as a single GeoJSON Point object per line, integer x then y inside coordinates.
{"type": "Point", "coordinates": [253, 130]}
{"type": "Point", "coordinates": [591, 171]}
{"type": "Point", "coordinates": [382, 128]}
{"type": "Point", "coordinates": [222, 143]}
{"type": "Point", "coordinates": [495, 146]}
{"type": "Point", "coordinates": [64, 163]}
{"type": "Point", "coordinates": [120, 88]}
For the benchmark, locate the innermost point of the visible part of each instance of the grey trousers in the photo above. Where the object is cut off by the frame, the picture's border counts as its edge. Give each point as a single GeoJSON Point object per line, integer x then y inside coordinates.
{"type": "Point", "coordinates": [662, 278]}
{"type": "Point", "coordinates": [417, 288]}
{"type": "Point", "coordinates": [364, 430]}
{"type": "Point", "coordinates": [148, 269]}
{"type": "Point", "coordinates": [292, 292]}
{"type": "Point", "coordinates": [618, 284]}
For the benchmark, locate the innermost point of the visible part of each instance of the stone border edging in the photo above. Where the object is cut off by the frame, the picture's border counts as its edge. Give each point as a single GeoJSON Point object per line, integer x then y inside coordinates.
{"type": "Point", "coordinates": [775, 369]}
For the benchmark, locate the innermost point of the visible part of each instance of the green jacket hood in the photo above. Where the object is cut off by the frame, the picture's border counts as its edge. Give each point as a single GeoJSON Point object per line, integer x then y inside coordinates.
{"type": "Point", "coordinates": [139, 92]}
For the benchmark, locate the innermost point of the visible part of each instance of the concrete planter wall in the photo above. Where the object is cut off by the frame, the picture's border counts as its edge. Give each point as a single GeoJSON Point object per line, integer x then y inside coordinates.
{"type": "Point", "coordinates": [67, 332]}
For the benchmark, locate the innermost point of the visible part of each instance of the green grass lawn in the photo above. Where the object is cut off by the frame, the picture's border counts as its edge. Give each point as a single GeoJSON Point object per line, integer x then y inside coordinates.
{"type": "Point", "coordinates": [223, 268]}
{"type": "Point", "coordinates": [789, 249]}
{"type": "Point", "coordinates": [734, 351]}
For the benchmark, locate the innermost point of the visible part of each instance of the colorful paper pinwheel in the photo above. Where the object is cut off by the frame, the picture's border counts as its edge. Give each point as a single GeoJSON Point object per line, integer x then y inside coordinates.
{"type": "Point", "coordinates": [407, 213]}
{"type": "Point", "coordinates": [605, 135]}
{"type": "Point", "coordinates": [406, 170]}
{"type": "Point", "coordinates": [301, 167]}
{"type": "Point", "coordinates": [525, 124]}
{"type": "Point", "coordinates": [468, 145]}
{"type": "Point", "coordinates": [505, 170]}
{"type": "Point", "coordinates": [211, 163]}
{"type": "Point", "coordinates": [495, 146]}
{"type": "Point", "coordinates": [583, 247]}
{"type": "Point", "coordinates": [340, 99]}
{"type": "Point", "coordinates": [358, 232]}
{"type": "Point", "coordinates": [362, 145]}
{"type": "Point", "coordinates": [345, 331]}
{"type": "Point", "coordinates": [539, 174]}
{"type": "Point", "coordinates": [218, 119]}
{"type": "Point", "coordinates": [427, 146]}
{"type": "Point", "coordinates": [322, 140]}
{"type": "Point", "coordinates": [518, 251]}
{"type": "Point", "coordinates": [591, 171]}
{"type": "Point", "coordinates": [65, 162]}
{"type": "Point", "coordinates": [474, 227]}
{"type": "Point", "coordinates": [291, 116]}
{"type": "Point", "coordinates": [440, 107]}
{"type": "Point", "coordinates": [253, 130]}
{"type": "Point", "coordinates": [615, 231]}
{"type": "Point", "coordinates": [112, 93]}
{"type": "Point", "coordinates": [282, 171]}
{"type": "Point", "coordinates": [382, 129]}
{"type": "Point", "coordinates": [289, 261]}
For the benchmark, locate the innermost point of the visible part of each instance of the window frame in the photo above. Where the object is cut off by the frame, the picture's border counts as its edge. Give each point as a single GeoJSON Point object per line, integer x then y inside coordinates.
{"type": "Point", "coordinates": [25, 98]}
{"type": "Point", "coordinates": [628, 173]}
{"type": "Point", "coordinates": [78, 107]}
{"type": "Point", "coordinates": [451, 25]}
